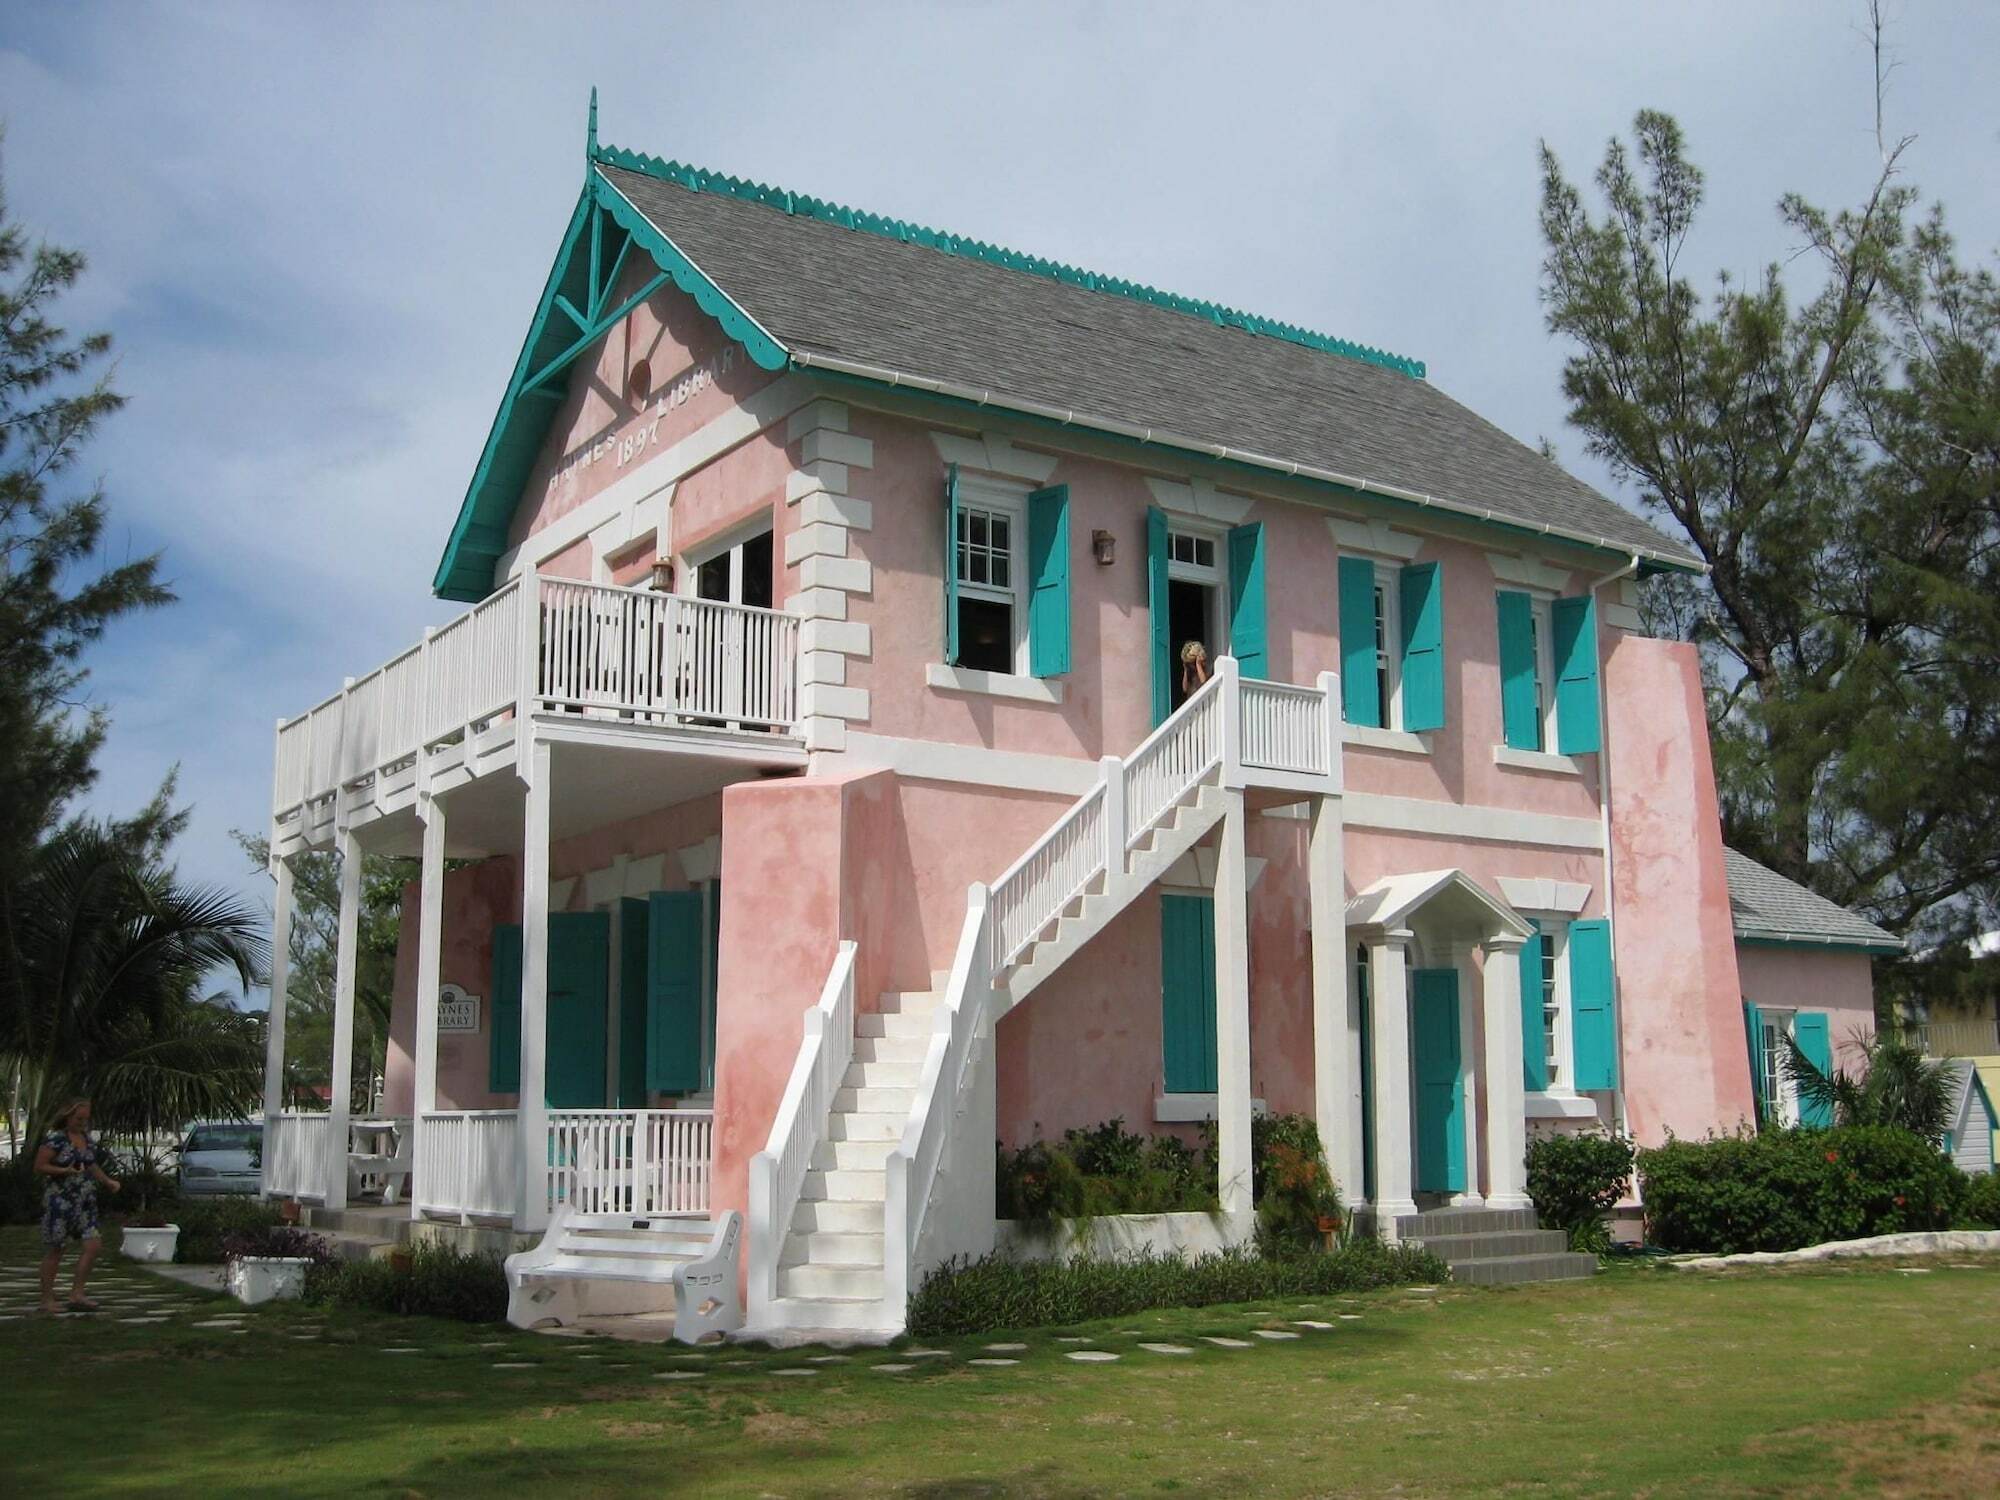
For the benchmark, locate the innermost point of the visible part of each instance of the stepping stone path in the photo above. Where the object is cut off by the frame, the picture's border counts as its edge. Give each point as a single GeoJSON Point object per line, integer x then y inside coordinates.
{"type": "Point", "coordinates": [511, 1365]}
{"type": "Point", "coordinates": [1075, 1338]}
{"type": "Point", "coordinates": [927, 1354]}
{"type": "Point", "coordinates": [1209, 1338]}
{"type": "Point", "coordinates": [678, 1375]}
{"type": "Point", "coordinates": [992, 1364]}
{"type": "Point", "coordinates": [1005, 1348]}
{"type": "Point", "coordinates": [1309, 1323]}
{"type": "Point", "coordinates": [891, 1369]}
{"type": "Point", "coordinates": [1090, 1356]}
{"type": "Point", "coordinates": [1166, 1348]}
{"type": "Point", "coordinates": [1350, 1317]}
{"type": "Point", "coordinates": [829, 1359]}
{"type": "Point", "coordinates": [1274, 1333]}
{"type": "Point", "coordinates": [795, 1370]}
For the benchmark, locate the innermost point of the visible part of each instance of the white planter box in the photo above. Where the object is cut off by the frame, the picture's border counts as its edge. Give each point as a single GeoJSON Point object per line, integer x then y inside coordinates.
{"type": "Point", "coordinates": [267, 1278]}
{"type": "Point", "coordinates": [1120, 1237]}
{"type": "Point", "coordinates": [154, 1246]}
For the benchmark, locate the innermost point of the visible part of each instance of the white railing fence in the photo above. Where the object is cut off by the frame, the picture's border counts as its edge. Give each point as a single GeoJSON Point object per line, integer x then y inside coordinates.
{"type": "Point", "coordinates": [295, 1155]}
{"type": "Point", "coordinates": [547, 644]}
{"type": "Point", "coordinates": [468, 1163]}
{"type": "Point", "coordinates": [1054, 871]}
{"type": "Point", "coordinates": [1186, 747]}
{"type": "Point", "coordinates": [778, 1172]}
{"type": "Point", "coordinates": [1289, 728]}
{"type": "Point", "coordinates": [623, 1161]}
{"type": "Point", "coordinates": [1968, 1038]}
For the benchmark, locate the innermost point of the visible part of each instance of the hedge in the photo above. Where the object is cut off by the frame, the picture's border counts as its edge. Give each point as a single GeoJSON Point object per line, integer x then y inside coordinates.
{"type": "Point", "coordinates": [436, 1281]}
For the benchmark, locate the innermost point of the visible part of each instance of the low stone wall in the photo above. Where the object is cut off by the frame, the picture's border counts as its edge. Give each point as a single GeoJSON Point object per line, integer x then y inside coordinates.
{"type": "Point", "coordinates": [1117, 1237]}
{"type": "Point", "coordinates": [1938, 1242]}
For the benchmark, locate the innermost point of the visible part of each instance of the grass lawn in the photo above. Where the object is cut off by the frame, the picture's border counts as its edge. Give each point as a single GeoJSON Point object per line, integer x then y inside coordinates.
{"type": "Point", "coordinates": [1873, 1381]}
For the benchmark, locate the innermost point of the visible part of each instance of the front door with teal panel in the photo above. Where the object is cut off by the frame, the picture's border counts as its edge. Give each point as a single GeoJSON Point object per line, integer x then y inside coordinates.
{"type": "Point", "coordinates": [1187, 992]}
{"type": "Point", "coordinates": [579, 990]}
{"type": "Point", "coordinates": [673, 992]}
{"type": "Point", "coordinates": [1440, 1091]}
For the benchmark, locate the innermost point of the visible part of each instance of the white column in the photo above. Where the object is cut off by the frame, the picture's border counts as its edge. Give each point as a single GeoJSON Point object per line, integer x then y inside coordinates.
{"type": "Point", "coordinates": [1506, 1089]}
{"type": "Point", "coordinates": [1336, 1081]}
{"type": "Point", "coordinates": [430, 953]}
{"type": "Point", "coordinates": [274, 1024]}
{"type": "Point", "coordinates": [1232, 1020]}
{"type": "Point", "coordinates": [1389, 987]}
{"type": "Point", "coordinates": [531, 1210]}
{"type": "Point", "coordinates": [345, 955]}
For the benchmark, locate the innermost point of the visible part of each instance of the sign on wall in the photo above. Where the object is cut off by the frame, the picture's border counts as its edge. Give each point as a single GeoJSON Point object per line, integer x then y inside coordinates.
{"type": "Point", "coordinates": [457, 1011]}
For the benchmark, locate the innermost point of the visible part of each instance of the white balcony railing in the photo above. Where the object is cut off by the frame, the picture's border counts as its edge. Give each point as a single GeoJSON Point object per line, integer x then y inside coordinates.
{"type": "Point", "coordinates": [630, 1161]}
{"type": "Point", "coordinates": [547, 645]}
{"type": "Point", "coordinates": [295, 1155]}
{"type": "Point", "coordinates": [468, 1163]}
{"type": "Point", "coordinates": [1978, 1037]}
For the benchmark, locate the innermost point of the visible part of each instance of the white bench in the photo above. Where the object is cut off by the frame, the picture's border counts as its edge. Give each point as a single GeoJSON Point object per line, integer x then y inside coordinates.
{"type": "Point", "coordinates": [607, 1264]}
{"type": "Point", "coordinates": [369, 1165]}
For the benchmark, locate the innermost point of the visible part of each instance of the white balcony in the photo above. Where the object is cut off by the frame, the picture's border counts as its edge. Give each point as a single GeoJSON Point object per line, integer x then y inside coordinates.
{"type": "Point", "coordinates": [619, 669]}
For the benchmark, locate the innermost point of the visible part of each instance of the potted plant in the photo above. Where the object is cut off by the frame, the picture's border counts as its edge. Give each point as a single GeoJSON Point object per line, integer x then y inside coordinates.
{"type": "Point", "coordinates": [147, 1235]}
{"type": "Point", "coordinates": [266, 1265]}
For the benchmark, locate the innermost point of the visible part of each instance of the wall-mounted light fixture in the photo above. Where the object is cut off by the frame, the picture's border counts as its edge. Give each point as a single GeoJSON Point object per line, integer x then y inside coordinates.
{"type": "Point", "coordinates": [663, 575]}
{"type": "Point", "coordinates": [1104, 547]}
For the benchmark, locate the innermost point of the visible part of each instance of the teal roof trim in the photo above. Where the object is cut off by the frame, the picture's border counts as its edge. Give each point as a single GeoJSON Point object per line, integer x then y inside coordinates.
{"type": "Point", "coordinates": [696, 179]}
{"type": "Point", "coordinates": [557, 336]}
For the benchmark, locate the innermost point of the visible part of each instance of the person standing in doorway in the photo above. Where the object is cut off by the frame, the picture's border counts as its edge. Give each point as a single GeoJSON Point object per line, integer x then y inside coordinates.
{"type": "Point", "coordinates": [68, 1158]}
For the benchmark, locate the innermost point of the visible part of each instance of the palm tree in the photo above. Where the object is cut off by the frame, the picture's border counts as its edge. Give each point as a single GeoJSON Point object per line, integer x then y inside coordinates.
{"type": "Point", "coordinates": [103, 953]}
{"type": "Point", "coordinates": [1897, 1086]}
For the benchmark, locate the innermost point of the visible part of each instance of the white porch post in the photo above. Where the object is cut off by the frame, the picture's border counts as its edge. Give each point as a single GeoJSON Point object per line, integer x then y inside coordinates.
{"type": "Point", "coordinates": [531, 1115]}
{"type": "Point", "coordinates": [1232, 1020]}
{"type": "Point", "coordinates": [1336, 1082]}
{"type": "Point", "coordinates": [274, 1023]}
{"type": "Point", "coordinates": [346, 953]}
{"type": "Point", "coordinates": [1394, 1158]}
{"type": "Point", "coordinates": [430, 950]}
{"type": "Point", "coordinates": [1506, 1088]}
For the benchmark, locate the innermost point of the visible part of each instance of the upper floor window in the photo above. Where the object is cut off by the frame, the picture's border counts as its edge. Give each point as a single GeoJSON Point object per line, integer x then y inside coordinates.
{"type": "Point", "coordinates": [1548, 672]}
{"type": "Point", "coordinates": [1389, 714]}
{"type": "Point", "coordinates": [1007, 581]}
{"type": "Point", "coordinates": [987, 574]}
{"type": "Point", "coordinates": [1391, 644]}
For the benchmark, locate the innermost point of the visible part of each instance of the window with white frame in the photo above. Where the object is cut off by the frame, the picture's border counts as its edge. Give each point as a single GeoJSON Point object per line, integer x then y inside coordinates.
{"type": "Point", "coordinates": [1388, 659]}
{"type": "Point", "coordinates": [992, 617]}
{"type": "Point", "coordinates": [1775, 1086]}
{"type": "Point", "coordinates": [1552, 1014]}
{"type": "Point", "coordinates": [1196, 603]}
{"type": "Point", "coordinates": [1541, 634]}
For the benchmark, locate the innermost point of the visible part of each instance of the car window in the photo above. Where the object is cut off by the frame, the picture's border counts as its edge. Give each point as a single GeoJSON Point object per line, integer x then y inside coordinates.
{"type": "Point", "coordinates": [224, 1138]}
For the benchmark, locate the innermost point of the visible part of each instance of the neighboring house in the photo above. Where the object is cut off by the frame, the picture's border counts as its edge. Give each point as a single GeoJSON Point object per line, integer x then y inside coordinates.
{"type": "Point", "coordinates": [1807, 970]}
{"type": "Point", "coordinates": [834, 797]}
{"type": "Point", "coordinates": [1970, 1140]}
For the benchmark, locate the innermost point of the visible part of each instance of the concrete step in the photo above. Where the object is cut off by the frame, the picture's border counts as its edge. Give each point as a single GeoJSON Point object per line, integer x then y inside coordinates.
{"type": "Point", "coordinates": [908, 1002]}
{"type": "Point", "coordinates": [1457, 1248]}
{"type": "Point", "coordinates": [832, 1248]}
{"type": "Point", "coordinates": [1437, 1221]}
{"type": "Point", "coordinates": [831, 1281]}
{"type": "Point", "coordinates": [896, 1023]}
{"type": "Point", "coordinates": [1509, 1270]}
{"type": "Point", "coordinates": [891, 1073]}
{"type": "Point", "coordinates": [844, 1186]}
{"type": "Point", "coordinates": [815, 1215]}
{"type": "Point", "coordinates": [857, 1126]}
{"type": "Point", "coordinates": [851, 1156]}
{"type": "Point", "coordinates": [391, 1225]}
{"type": "Point", "coordinates": [834, 1314]}
{"type": "Point", "coordinates": [875, 1099]}
{"type": "Point", "coordinates": [908, 1050]}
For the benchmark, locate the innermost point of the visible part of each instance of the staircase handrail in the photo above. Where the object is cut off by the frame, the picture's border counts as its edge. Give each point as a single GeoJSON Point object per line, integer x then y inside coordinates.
{"type": "Point", "coordinates": [1180, 731]}
{"type": "Point", "coordinates": [778, 1172]}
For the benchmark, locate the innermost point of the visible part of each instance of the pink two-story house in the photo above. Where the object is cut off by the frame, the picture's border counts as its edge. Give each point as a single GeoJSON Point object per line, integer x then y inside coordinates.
{"type": "Point", "coordinates": [836, 794]}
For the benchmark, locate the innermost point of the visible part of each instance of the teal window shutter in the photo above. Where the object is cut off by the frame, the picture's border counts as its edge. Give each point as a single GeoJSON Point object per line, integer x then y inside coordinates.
{"type": "Point", "coordinates": [1753, 1029]}
{"type": "Point", "coordinates": [1156, 605]}
{"type": "Point", "coordinates": [1534, 1048]}
{"type": "Point", "coordinates": [673, 992]}
{"type": "Point", "coordinates": [951, 565]}
{"type": "Point", "coordinates": [1593, 1015]}
{"type": "Point", "coordinates": [1048, 572]}
{"type": "Point", "coordinates": [503, 1031]}
{"type": "Point", "coordinates": [1423, 647]}
{"type": "Point", "coordinates": [1248, 639]}
{"type": "Point", "coordinates": [1574, 625]}
{"type": "Point", "coordinates": [1187, 992]}
{"type": "Point", "coordinates": [632, 956]}
{"type": "Point", "coordinates": [1809, 1030]}
{"type": "Point", "coordinates": [1360, 702]}
{"type": "Point", "coordinates": [575, 1042]}
{"type": "Point", "coordinates": [1520, 710]}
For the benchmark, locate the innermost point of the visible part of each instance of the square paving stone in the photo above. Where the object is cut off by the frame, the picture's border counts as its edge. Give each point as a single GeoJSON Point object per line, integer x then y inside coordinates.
{"type": "Point", "coordinates": [678, 1375]}
{"type": "Point", "coordinates": [1209, 1338]}
{"type": "Point", "coordinates": [828, 1359]}
{"type": "Point", "coordinates": [1091, 1356]}
{"type": "Point", "coordinates": [1005, 1348]}
{"type": "Point", "coordinates": [1166, 1348]}
{"type": "Point", "coordinates": [992, 1364]}
{"type": "Point", "coordinates": [795, 1370]}
{"type": "Point", "coordinates": [512, 1365]}
{"type": "Point", "coordinates": [892, 1369]}
{"type": "Point", "coordinates": [1274, 1333]}
{"type": "Point", "coordinates": [1309, 1323]}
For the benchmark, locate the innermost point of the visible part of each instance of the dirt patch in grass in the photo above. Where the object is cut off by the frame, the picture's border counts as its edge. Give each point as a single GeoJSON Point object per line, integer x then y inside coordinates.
{"type": "Point", "coordinates": [780, 1427]}
{"type": "Point", "coordinates": [1950, 1448]}
{"type": "Point", "coordinates": [633, 1429]}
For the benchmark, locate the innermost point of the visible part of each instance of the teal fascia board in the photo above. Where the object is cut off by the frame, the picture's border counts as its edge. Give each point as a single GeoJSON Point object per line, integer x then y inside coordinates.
{"type": "Point", "coordinates": [554, 342]}
{"type": "Point", "coordinates": [1813, 945]}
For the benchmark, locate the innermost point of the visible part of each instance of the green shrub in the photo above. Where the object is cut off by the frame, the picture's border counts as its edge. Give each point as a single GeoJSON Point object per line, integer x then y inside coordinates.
{"type": "Point", "coordinates": [1981, 1205]}
{"type": "Point", "coordinates": [966, 1297]}
{"type": "Point", "coordinates": [277, 1240]}
{"type": "Point", "coordinates": [1785, 1189]}
{"type": "Point", "coordinates": [1575, 1181]}
{"type": "Point", "coordinates": [1103, 1170]}
{"type": "Point", "coordinates": [20, 1191]}
{"type": "Point", "coordinates": [1297, 1204]}
{"type": "Point", "coordinates": [206, 1222]}
{"type": "Point", "coordinates": [439, 1281]}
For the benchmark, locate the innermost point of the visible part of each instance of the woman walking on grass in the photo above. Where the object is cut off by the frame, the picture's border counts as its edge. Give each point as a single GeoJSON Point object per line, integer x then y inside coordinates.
{"type": "Point", "coordinates": [68, 1158]}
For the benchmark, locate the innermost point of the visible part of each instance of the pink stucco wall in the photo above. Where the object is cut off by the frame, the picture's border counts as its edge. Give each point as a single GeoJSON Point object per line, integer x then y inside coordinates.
{"type": "Point", "coordinates": [1840, 984]}
{"type": "Point", "coordinates": [1685, 1067]}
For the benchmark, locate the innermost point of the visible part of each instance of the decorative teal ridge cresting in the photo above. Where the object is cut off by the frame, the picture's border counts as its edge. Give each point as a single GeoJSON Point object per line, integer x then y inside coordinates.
{"type": "Point", "coordinates": [700, 180]}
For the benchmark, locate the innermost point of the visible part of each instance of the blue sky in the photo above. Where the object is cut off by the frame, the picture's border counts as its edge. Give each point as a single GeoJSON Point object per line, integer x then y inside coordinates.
{"type": "Point", "coordinates": [317, 233]}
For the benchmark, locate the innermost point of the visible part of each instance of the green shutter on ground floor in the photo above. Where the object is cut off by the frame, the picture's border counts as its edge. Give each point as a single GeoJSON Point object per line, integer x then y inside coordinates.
{"type": "Point", "coordinates": [503, 1029]}
{"type": "Point", "coordinates": [1534, 1037]}
{"type": "Point", "coordinates": [1436, 1065]}
{"type": "Point", "coordinates": [1360, 697]}
{"type": "Point", "coordinates": [1592, 1006]}
{"type": "Point", "coordinates": [632, 955]}
{"type": "Point", "coordinates": [579, 995]}
{"type": "Point", "coordinates": [1810, 1032]}
{"type": "Point", "coordinates": [1187, 993]}
{"type": "Point", "coordinates": [673, 992]}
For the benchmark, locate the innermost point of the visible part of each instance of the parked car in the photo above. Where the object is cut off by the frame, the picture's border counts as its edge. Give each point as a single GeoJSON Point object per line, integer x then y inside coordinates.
{"type": "Point", "coordinates": [222, 1157]}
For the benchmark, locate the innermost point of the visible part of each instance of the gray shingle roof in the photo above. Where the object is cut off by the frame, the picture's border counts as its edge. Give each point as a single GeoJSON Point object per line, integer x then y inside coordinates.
{"type": "Point", "coordinates": [822, 289]}
{"type": "Point", "coordinates": [1768, 906]}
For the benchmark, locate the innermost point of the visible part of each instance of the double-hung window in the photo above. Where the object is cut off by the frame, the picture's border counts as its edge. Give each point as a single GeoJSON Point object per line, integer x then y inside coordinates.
{"type": "Point", "coordinates": [1774, 1083]}
{"type": "Point", "coordinates": [1387, 701]}
{"type": "Point", "coordinates": [1548, 672]}
{"type": "Point", "coordinates": [1391, 644]}
{"type": "Point", "coordinates": [989, 605]}
{"type": "Point", "coordinates": [1007, 582]}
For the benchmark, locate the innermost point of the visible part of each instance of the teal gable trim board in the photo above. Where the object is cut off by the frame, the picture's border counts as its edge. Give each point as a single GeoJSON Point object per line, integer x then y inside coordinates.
{"type": "Point", "coordinates": [1422, 593]}
{"type": "Point", "coordinates": [503, 1028]}
{"type": "Point", "coordinates": [1593, 1006]}
{"type": "Point", "coordinates": [1249, 639]}
{"type": "Point", "coordinates": [1048, 581]}
{"type": "Point", "coordinates": [951, 565]}
{"type": "Point", "coordinates": [1158, 618]}
{"type": "Point", "coordinates": [574, 313]}
{"type": "Point", "coordinates": [1360, 702]}
{"type": "Point", "coordinates": [1810, 1032]}
{"type": "Point", "coordinates": [1814, 945]}
{"type": "Point", "coordinates": [1534, 1048]}
{"type": "Point", "coordinates": [1573, 622]}
{"type": "Point", "coordinates": [696, 179]}
{"type": "Point", "coordinates": [1187, 993]}
{"type": "Point", "coordinates": [1520, 718]}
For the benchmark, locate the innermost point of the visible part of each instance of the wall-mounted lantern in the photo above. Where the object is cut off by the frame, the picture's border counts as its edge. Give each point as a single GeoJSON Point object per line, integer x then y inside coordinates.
{"type": "Point", "coordinates": [663, 575]}
{"type": "Point", "coordinates": [1104, 547]}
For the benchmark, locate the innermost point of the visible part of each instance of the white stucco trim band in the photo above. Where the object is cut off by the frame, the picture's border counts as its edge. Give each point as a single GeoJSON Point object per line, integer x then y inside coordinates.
{"type": "Point", "coordinates": [828, 572]}
{"type": "Point", "coordinates": [951, 679]}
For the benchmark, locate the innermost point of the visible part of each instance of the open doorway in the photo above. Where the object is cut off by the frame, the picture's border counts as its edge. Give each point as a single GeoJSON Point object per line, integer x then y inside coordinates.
{"type": "Point", "coordinates": [1195, 608]}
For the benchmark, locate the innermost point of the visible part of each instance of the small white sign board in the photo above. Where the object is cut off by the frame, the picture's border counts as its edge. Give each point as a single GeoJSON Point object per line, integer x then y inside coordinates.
{"type": "Point", "coordinates": [457, 1011]}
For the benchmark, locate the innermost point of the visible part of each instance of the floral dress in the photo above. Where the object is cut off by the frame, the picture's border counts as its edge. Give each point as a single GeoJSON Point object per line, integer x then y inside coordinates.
{"type": "Point", "coordinates": [69, 1204]}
